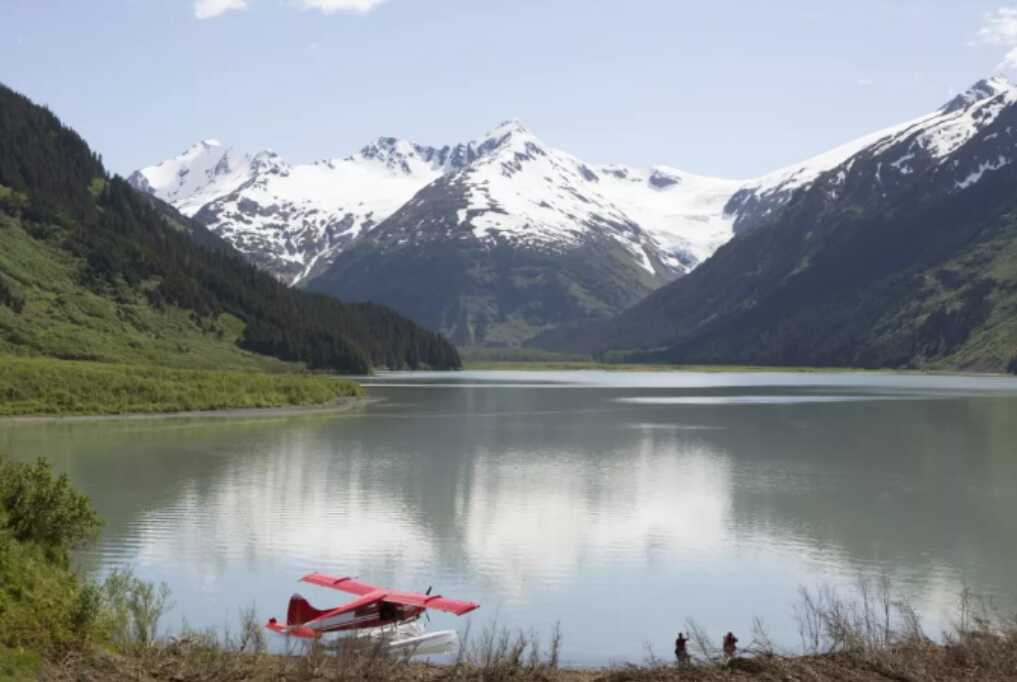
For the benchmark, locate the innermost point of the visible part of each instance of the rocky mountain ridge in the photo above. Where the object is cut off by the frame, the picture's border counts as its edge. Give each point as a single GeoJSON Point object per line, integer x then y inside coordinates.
{"type": "Point", "coordinates": [294, 220]}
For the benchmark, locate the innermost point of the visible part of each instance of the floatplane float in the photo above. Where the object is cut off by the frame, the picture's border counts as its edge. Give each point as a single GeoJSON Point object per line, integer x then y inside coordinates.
{"type": "Point", "coordinates": [377, 612]}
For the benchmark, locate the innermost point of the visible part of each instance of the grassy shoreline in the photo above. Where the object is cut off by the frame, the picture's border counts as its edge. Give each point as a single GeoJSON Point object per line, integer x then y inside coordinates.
{"type": "Point", "coordinates": [232, 413]}
{"type": "Point", "coordinates": [32, 386]}
{"type": "Point", "coordinates": [871, 640]}
{"type": "Point", "coordinates": [194, 661]}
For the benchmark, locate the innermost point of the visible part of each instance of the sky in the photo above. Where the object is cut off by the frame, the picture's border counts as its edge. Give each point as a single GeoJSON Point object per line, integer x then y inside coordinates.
{"type": "Point", "coordinates": [731, 88]}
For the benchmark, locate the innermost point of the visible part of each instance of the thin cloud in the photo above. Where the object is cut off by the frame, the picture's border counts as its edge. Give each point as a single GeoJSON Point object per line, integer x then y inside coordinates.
{"type": "Point", "coordinates": [864, 82]}
{"type": "Point", "coordinates": [333, 6]}
{"type": "Point", "coordinates": [1000, 29]}
{"type": "Point", "coordinates": [1009, 62]}
{"type": "Point", "coordinates": [207, 9]}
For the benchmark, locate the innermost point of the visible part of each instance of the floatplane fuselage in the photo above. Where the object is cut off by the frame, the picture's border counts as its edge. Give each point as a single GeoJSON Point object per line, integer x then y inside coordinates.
{"type": "Point", "coordinates": [374, 607]}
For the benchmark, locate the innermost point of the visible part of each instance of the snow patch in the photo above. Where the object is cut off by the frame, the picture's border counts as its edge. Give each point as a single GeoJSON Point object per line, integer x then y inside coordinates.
{"type": "Point", "coordinates": [983, 168]}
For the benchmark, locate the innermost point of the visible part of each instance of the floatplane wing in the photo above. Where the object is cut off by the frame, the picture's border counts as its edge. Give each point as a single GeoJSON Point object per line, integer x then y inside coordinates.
{"type": "Point", "coordinates": [345, 584]}
{"type": "Point", "coordinates": [425, 601]}
{"type": "Point", "coordinates": [417, 599]}
{"type": "Point", "coordinates": [374, 607]}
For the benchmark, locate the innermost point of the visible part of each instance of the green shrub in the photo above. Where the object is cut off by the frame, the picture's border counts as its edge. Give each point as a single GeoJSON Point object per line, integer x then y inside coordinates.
{"type": "Point", "coordinates": [86, 608]}
{"type": "Point", "coordinates": [37, 599]}
{"type": "Point", "coordinates": [131, 609]}
{"type": "Point", "coordinates": [42, 508]}
{"type": "Point", "coordinates": [44, 608]}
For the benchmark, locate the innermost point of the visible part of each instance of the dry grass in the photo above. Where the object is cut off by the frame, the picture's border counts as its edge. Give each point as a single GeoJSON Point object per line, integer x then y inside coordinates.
{"type": "Point", "coordinates": [873, 635]}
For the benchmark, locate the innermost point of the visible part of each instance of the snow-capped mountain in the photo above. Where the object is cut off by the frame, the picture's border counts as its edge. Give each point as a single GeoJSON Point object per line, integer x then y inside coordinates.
{"type": "Point", "coordinates": [519, 238]}
{"type": "Point", "coordinates": [949, 150]}
{"type": "Point", "coordinates": [204, 172]}
{"type": "Point", "coordinates": [929, 139]}
{"type": "Point", "coordinates": [509, 190]}
{"type": "Point", "coordinates": [900, 255]}
{"type": "Point", "coordinates": [295, 219]}
{"type": "Point", "coordinates": [520, 191]}
{"type": "Point", "coordinates": [292, 219]}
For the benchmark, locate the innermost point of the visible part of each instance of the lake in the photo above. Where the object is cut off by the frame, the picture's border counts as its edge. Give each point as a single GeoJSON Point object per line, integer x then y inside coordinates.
{"type": "Point", "coordinates": [620, 504]}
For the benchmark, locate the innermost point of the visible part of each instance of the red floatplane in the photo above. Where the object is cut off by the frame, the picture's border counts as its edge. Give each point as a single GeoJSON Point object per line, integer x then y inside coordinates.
{"type": "Point", "coordinates": [376, 607]}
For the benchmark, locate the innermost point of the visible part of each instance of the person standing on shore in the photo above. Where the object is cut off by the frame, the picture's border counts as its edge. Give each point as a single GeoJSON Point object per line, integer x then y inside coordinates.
{"type": "Point", "coordinates": [730, 645]}
{"type": "Point", "coordinates": [681, 651]}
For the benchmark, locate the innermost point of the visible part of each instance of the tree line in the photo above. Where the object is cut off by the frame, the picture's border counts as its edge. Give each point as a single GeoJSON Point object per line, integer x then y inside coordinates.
{"type": "Point", "coordinates": [125, 237]}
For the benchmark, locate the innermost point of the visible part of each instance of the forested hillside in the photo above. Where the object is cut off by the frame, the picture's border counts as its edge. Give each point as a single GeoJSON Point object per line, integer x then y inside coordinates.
{"type": "Point", "coordinates": [86, 256]}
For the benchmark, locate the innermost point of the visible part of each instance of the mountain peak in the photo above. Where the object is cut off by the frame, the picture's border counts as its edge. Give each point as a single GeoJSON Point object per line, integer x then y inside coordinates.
{"type": "Point", "coordinates": [983, 89]}
{"type": "Point", "coordinates": [508, 136]}
{"type": "Point", "coordinates": [392, 148]}
{"type": "Point", "coordinates": [510, 127]}
{"type": "Point", "coordinates": [201, 148]}
{"type": "Point", "coordinates": [266, 154]}
{"type": "Point", "coordinates": [387, 142]}
{"type": "Point", "coordinates": [265, 161]}
{"type": "Point", "coordinates": [399, 155]}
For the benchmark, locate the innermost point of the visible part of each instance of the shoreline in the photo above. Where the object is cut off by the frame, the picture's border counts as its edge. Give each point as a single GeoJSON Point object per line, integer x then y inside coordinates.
{"type": "Point", "coordinates": [580, 366]}
{"type": "Point", "coordinates": [975, 655]}
{"type": "Point", "coordinates": [340, 406]}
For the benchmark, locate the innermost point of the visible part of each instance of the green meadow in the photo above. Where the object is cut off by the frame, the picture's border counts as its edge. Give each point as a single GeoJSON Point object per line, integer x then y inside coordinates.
{"type": "Point", "coordinates": [37, 386]}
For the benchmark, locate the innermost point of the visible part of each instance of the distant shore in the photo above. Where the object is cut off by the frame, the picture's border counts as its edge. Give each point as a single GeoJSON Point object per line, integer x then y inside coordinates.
{"type": "Point", "coordinates": [339, 406]}
{"type": "Point", "coordinates": [579, 365]}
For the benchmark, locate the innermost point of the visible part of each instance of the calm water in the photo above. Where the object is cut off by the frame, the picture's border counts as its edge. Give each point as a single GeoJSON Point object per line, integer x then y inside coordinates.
{"type": "Point", "coordinates": [620, 504]}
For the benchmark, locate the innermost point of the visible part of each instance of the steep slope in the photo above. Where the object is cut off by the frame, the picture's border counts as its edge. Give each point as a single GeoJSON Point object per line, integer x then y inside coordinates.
{"type": "Point", "coordinates": [92, 269]}
{"type": "Point", "coordinates": [510, 244]}
{"type": "Point", "coordinates": [904, 255]}
{"type": "Point", "coordinates": [757, 200]}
